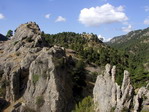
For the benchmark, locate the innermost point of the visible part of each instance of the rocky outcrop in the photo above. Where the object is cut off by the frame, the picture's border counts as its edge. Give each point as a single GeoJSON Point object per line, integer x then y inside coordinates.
{"type": "Point", "coordinates": [108, 95]}
{"type": "Point", "coordinates": [49, 85]}
{"type": "Point", "coordinates": [141, 100]}
{"type": "Point", "coordinates": [31, 70]}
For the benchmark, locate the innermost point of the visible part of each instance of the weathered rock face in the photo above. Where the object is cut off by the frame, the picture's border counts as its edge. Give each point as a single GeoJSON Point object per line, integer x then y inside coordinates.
{"type": "Point", "coordinates": [48, 83]}
{"type": "Point", "coordinates": [108, 95]}
{"type": "Point", "coordinates": [141, 100]}
{"type": "Point", "coordinates": [30, 69]}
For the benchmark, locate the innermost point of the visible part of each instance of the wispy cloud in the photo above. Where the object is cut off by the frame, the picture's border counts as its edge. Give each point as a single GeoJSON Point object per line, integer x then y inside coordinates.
{"type": "Point", "coordinates": [60, 19]}
{"type": "Point", "coordinates": [47, 16]}
{"type": "Point", "coordinates": [146, 8]}
{"type": "Point", "coordinates": [2, 16]}
{"type": "Point", "coordinates": [105, 14]}
{"type": "Point", "coordinates": [127, 28]}
{"type": "Point", "coordinates": [102, 38]}
{"type": "Point", "coordinates": [146, 21]}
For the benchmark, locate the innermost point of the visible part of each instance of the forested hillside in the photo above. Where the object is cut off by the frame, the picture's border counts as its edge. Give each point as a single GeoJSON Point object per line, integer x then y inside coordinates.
{"type": "Point", "coordinates": [136, 44]}
{"type": "Point", "coordinates": [90, 49]}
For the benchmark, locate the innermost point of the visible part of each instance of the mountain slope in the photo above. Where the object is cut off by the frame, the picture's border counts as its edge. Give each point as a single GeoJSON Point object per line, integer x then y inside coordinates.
{"type": "Point", "coordinates": [90, 49]}
{"type": "Point", "coordinates": [136, 44]}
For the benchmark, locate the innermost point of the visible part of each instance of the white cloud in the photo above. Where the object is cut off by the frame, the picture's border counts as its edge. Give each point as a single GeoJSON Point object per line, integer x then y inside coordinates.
{"type": "Point", "coordinates": [2, 16]}
{"type": "Point", "coordinates": [103, 38]}
{"type": "Point", "coordinates": [146, 8]}
{"type": "Point", "coordinates": [146, 21]}
{"type": "Point", "coordinates": [104, 14]}
{"type": "Point", "coordinates": [127, 29]}
{"type": "Point", "coordinates": [47, 16]}
{"type": "Point", "coordinates": [60, 19]}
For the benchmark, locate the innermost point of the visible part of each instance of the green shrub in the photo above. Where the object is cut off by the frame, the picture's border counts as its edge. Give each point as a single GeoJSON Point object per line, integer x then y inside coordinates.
{"type": "Point", "coordinates": [78, 78]}
{"type": "Point", "coordinates": [35, 78]}
{"type": "Point", "coordinates": [112, 109]}
{"type": "Point", "coordinates": [39, 101]}
{"type": "Point", "coordinates": [86, 105]}
{"type": "Point", "coordinates": [2, 92]}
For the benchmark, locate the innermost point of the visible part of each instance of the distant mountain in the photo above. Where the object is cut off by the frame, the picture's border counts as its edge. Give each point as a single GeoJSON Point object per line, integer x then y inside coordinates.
{"type": "Point", "coordinates": [133, 41]}
{"type": "Point", "coordinates": [136, 44]}
{"type": "Point", "coordinates": [2, 38]}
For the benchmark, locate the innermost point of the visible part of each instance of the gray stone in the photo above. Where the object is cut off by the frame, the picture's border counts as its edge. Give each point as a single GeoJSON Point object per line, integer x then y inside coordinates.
{"type": "Point", "coordinates": [33, 71]}
{"type": "Point", "coordinates": [108, 96]}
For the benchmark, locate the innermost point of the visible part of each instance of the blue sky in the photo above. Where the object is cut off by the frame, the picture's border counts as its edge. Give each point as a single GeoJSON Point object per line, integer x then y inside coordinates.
{"type": "Point", "coordinates": [106, 18]}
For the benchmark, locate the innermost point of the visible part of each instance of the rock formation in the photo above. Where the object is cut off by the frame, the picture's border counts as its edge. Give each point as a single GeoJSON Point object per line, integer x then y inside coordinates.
{"type": "Point", "coordinates": [141, 100]}
{"type": "Point", "coordinates": [110, 97]}
{"type": "Point", "coordinates": [30, 69]}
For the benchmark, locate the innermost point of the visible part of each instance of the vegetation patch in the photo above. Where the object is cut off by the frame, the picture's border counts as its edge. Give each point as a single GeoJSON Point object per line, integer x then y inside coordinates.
{"type": "Point", "coordinates": [3, 84]}
{"type": "Point", "coordinates": [86, 105]}
{"type": "Point", "coordinates": [35, 78]}
{"type": "Point", "coordinates": [2, 92]}
{"type": "Point", "coordinates": [78, 77]}
{"type": "Point", "coordinates": [112, 109]}
{"type": "Point", "coordinates": [39, 101]}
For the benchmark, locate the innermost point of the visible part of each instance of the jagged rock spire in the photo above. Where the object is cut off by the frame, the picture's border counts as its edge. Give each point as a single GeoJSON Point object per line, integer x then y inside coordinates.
{"type": "Point", "coordinates": [108, 95]}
